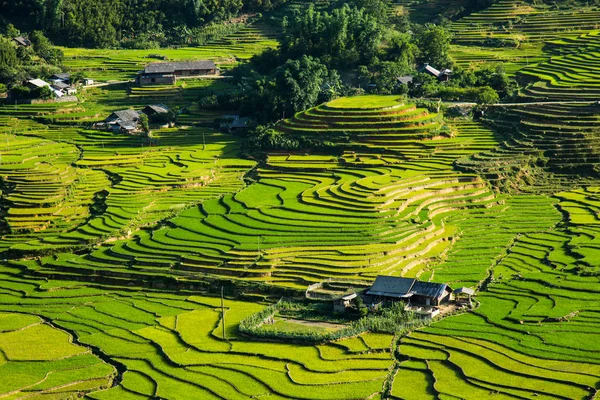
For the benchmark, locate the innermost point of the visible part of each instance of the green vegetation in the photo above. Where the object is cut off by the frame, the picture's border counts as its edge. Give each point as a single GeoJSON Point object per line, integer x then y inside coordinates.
{"type": "Point", "coordinates": [115, 248]}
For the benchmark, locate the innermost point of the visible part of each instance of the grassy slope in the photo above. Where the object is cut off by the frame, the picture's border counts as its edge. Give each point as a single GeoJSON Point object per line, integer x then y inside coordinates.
{"type": "Point", "coordinates": [391, 203]}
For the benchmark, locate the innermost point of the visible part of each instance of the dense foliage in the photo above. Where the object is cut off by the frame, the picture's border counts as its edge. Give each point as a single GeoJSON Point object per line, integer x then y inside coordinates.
{"type": "Point", "coordinates": [17, 63]}
{"type": "Point", "coordinates": [105, 23]}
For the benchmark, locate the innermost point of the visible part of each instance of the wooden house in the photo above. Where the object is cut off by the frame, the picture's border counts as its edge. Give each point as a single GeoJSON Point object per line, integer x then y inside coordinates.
{"type": "Point", "coordinates": [155, 109]}
{"type": "Point", "coordinates": [410, 290]}
{"type": "Point", "coordinates": [122, 121]}
{"type": "Point", "coordinates": [441, 75]}
{"type": "Point", "coordinates": [22, 41]}
{"type": "Point", "coordinates": [166, 73]}
{"type": "Point", "coordinates": [343, 303]}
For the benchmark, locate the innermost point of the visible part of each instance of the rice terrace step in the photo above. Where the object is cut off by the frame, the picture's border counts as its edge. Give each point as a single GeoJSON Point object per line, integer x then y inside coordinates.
{"type": "Point", "coordinates": [293, 199]}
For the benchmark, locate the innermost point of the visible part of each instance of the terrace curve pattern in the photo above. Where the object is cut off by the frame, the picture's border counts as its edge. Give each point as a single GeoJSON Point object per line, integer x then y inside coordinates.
{"type": "Point", "coordinates": [309, 218]}
{"type": "Point", "coordinates": [548, 146]}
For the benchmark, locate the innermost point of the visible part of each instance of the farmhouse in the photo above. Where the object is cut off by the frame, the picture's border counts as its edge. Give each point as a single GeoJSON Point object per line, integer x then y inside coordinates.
{"type": "Point", "coordinates": [61, 77]}
{"type": "Point", "coordinates": [21, 41]}
{"type": "Point", "coordinates": [122, 121]}
{"type": "Point", "coordinates": [464, 291]}
{"type": "Point", "coordinates": [232, 123]}
{"type": "Point", "coordinates": [405, 80]}
{"type": "Point", "coordinates": [391, 288]}
{"type": "Point", "coordinates": [155, 109]}
{"type": "Point", "coordinates": [36, 83]}
{"type": "Point", "coordinates": [167, 72]}
{"type": "Point", "coordinates": [63, 87]}
{"type": "Point", "coordinates": [443, 75]}
{"type": "Point", "coordinates": [340, 305]}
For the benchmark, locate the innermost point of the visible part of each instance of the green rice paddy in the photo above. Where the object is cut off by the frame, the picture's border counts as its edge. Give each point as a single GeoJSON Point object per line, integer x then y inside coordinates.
{"type": "Point", "coordinates": [114, 247]}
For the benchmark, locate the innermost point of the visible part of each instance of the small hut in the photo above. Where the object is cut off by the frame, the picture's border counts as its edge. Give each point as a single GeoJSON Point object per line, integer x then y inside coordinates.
{"type": "Point", "coordinates": [463, 292]}
{"type": "Point", "coordinates": [340, 305]}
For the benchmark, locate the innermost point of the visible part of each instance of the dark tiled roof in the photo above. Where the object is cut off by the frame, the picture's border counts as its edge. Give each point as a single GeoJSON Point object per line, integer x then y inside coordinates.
{"type": "Point", "coordinates": [158, 108]}
{"type": "Point", "coordinates": [391, 286]}
{"type": "Point", "coordinates": [60, 85]}
{"type": "Point", "coordinates": [170, 67]}
{"type": "Point", "coordinates": [63, 75]}
{"type": "Point", "coordinates": [124, 116]}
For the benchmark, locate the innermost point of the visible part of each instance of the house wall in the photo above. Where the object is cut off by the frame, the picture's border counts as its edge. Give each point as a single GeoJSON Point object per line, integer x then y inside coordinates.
{"type": "Point", "coordinates": [145, 80]}
{"type": "Point", "coordinates": [195, 72]}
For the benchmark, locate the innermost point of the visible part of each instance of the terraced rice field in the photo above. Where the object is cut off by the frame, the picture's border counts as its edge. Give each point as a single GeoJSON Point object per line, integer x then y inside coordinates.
{"type": "Point", "coordinates": [390, 203]}
{"type": "Point", "coordinates": [122, 65]}
{"type": "Point", "coordinates": [523, 21]}
{"type": "Point", "coordinates": [114, 246]}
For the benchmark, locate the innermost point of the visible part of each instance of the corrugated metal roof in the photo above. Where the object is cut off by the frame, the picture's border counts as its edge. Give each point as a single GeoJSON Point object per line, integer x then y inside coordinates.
{"type": "Point", "coordinates": [428, 289]}
{"type": "Point", "coordinates": [127, 125]}
{"type": "Point", "coordinates": [170, 67]}
{"type": "Point", "coordinates": [22, 41]}
{"type": "Point", "coordinates": [465, 290]}
{"type": "Point", "coordinates": [60, 85]}
{"type": "Point", "coordinates": [38, 82]}
{"type": "Point", "coordinates": [431, 70]}
{"type": "Point", "coordinates": [127, 115]}
{"type": "Point", "coordinates": [391, 286]}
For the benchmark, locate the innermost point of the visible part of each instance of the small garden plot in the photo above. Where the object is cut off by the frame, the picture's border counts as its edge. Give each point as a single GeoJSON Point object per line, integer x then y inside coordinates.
{"type": "Point", "coordinates": [283, 324]}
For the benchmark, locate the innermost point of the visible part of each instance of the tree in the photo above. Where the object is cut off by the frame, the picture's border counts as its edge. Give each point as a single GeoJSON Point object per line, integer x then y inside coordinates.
{"type": "Point", "coordinates": [77, 77]}
{"type": "Point", "coordinates": [145, 124]}
{"type": "Point", "coordinates": [433, 42]}
{"type": "Point", "coordinates": [376, 8]}
{"type": "Point", "coordinates": [400, 48]}
{"type": "Point", "coordinates": [44, 93]}
{"type": "Point", "coordinates": [345, 38]}
{"type": "Point", "coordinates": [8, 54]}
{"type": "Point", "coordinates": [495, 77]}
{"type": "Point", "coordinates": [487, 95]}
{"type": "Point", "coordinates": [386, 76]}
{"type": "Point", "coordinates": [20, 92]}
{"type": "Point", "coordinates": [299, 83]}
{"type": "Point", "coordinates": [11, 31]}
{"type": "Point", "coordinates": [44, 48]}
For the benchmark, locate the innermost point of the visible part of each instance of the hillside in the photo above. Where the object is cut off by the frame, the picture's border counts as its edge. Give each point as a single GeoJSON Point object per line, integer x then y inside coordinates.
{"type": "Point", "coordinates": [204, 252]}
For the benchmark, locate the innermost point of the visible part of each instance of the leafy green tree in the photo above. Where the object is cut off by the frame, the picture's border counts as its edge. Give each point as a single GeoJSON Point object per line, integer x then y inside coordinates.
{"type": "Point", "coordinates": [8, 54]}
{"type": "Point", "coordinates": [77, 77]}
{"type": "Point", "coordinates": [44, 93]}
{"type": "Point", "coordinates": [487, 95]}
{"type": "Point", "coordinates": [299, 83]}
{"type": "Point", "coordinates": [386, 77]}
{"type": "Point", "coordinates": [400, 48]}
{"type": "Point", "coordinates": [495, 77]}
{"type": "Point", "coordinates": [145, 124]}
{"type": "Point", "coordinates": [377, 8]}
{"type": "Point", "coordinates": [433, 42]}
{"type": "Point", "coordinates": [11, 31]}
{"type": "Point", "coordinates": [345, 38]}
{"type": "Point", "coordinates": [44, 48]}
